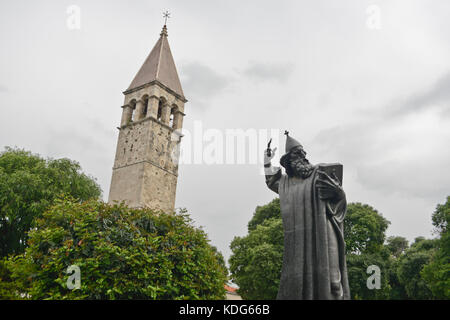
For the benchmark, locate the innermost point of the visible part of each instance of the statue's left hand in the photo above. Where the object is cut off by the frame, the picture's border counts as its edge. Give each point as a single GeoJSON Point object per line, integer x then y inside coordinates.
{"type": "Point", "coordinates": [329, 187]}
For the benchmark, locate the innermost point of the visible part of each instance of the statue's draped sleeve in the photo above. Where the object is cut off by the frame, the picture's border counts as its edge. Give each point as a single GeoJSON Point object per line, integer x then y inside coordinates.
{"type": "Point", "coordinates": [338, 209]}
{"type": "Point", "coordinates": [273, 176]}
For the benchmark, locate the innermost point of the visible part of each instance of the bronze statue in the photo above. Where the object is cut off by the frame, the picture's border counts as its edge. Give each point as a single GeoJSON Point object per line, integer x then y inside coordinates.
{"type": "Point", "coordinates": [313, 207]}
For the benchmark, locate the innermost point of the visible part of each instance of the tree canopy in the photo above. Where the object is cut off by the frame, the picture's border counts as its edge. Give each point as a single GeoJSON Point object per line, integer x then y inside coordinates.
{"type": "Point", "coordinates": [28, 186]}
{"type": "Point", "coordinates": [397, 245]}
{"type": "Point", "coordinates": [410, 266]}
{"type": "Point", "coordinates": [364, 229]}
{"type": "Point", "coordinates": [437, 273]}
{"type": "Point", "coordinates": [122, 253]}
{"type": "Point", "coordinates": [262, 213]}
{"type": "Point", "coordinates": [256, 261]}
{"type": "Point", "coordinates": [364, 234]}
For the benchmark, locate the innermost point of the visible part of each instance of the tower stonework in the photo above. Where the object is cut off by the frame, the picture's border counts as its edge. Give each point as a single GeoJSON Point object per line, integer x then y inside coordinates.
{"type": "Point", "coordinates": [145, 168]}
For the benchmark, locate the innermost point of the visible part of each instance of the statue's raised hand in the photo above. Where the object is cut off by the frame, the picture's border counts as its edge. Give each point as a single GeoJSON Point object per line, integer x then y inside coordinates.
{"type": "Point", "coordinates": [268, 155]}
{"type": "Point", "coordinates": [329, 187]}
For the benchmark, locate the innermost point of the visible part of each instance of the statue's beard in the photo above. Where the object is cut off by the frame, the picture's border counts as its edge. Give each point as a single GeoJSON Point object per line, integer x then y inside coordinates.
{"type": "Point", "coordinates": [301, 168]}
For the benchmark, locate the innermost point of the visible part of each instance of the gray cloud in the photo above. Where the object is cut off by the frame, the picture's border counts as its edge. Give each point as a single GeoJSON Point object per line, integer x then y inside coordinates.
{"type": "Point", "coordinates": [438, 95]}
{"type": "Point", "coordinates": [278, 72]}
{"type": "Point", "coordinates": [3, 88]}
{"type": "Point", "coordinates": [351, 142]}
{"type": "Point", "coordinates": [201, 82]}
{"type": "Point", "coordinates": [366, 149]}
{"type": "Point", "coordinates": [407, 177]}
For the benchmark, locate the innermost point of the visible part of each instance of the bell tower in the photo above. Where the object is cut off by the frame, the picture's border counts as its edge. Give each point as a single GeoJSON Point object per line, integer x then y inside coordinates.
{"type": "Point", "coordinates": [145, 168]}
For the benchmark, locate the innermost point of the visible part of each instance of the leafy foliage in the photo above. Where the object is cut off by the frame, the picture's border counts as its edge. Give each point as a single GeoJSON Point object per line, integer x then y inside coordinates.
{"type": "Point", "coordinates": [221, 261]}
{"type": "Point", "coordinates": [357, 265]}
{"type": "Point", "coordinates": [262, 213]}
{"type": "Point", "coordinates": [397, 245]}
{"type": "Point", "coordinates": [397, 289]}
{"type": "Point", "coordinates": [411, 265]}
{"type": "Point", "coordinates": [8, 289]}
{"type": "Point", "coordinates": [441, 217]}
{"type": "Point", "coordinates": [28, 186]}
{"type": "Point", "coordinates": [364, 229]}
{"type": "Point", "coordinates": [437, 273]}
{"type": "Point", "coordinates": [256, 261]}
{"type": "Point", "coordinates": [122, 254]}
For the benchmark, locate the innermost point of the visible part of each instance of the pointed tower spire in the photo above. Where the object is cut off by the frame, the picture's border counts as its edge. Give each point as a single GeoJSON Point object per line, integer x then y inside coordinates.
{"type": "Point", "coordinates": [159, 67]}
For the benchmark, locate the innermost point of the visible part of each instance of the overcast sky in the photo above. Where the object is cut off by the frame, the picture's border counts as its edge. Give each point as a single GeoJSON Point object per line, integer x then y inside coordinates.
{"type": "Point", "coordinates": [372, 94]}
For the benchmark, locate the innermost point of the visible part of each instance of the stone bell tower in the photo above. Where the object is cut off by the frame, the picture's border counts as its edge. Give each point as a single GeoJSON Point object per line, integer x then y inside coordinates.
{"type": "Point", "coordinates": [145, 168]}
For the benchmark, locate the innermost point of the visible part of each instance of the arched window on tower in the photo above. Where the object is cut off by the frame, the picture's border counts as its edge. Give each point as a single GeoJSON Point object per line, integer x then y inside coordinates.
{"type": "Point", "coordinates": [160, 106]}
{"type": "Point", "coordinates": [172, 116]}
{"type": "Point", "coordinates": [133, 108]}
{"type": "Point", "coordinates": [144, 111]}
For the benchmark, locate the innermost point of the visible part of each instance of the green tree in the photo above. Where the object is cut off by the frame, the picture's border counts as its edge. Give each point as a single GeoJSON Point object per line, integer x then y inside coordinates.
{"type": "Point", "coordinates": [8, 289]}
{"type": "Point", "coordinates": [221, 261]}
{"type": "Point", "coordinates": [357, 266]}
{"type": "Point", "coordinates": [437, 273]}
{"type": "Point", "coordinates": [255, 264]}
{"type": "Point", "coordinates": [398, 291]}
{"type": "Point", "coordinates": [364, 229]}
{"type": "Point", "coordinates": [397, 245]}
{"type": "Point", "coordinates": [28, 186]}
{"type": "Point", "coordinates": [365, 233]}
{"type": "Point", "coordinates": [122, 253]}
{"type": "Point", "coordinates": [410, 265]}
{"type": "Point", "coordinates": [262, 213]}
{"type": "Point", "coordinates": [441, 217]}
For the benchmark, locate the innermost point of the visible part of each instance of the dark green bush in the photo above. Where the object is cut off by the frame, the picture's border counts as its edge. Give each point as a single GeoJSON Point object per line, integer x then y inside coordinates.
{"type": "Point", "coordinates": [122, 253]}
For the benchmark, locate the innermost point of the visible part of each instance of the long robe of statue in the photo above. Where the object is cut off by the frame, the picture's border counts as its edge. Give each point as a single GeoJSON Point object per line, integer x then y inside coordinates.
{"type": "Point", "coordinates": [313, 207]}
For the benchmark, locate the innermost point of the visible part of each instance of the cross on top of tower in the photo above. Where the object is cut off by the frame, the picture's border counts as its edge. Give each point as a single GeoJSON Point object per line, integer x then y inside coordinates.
{"type": "Point", "coordinates": [166, 15]}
